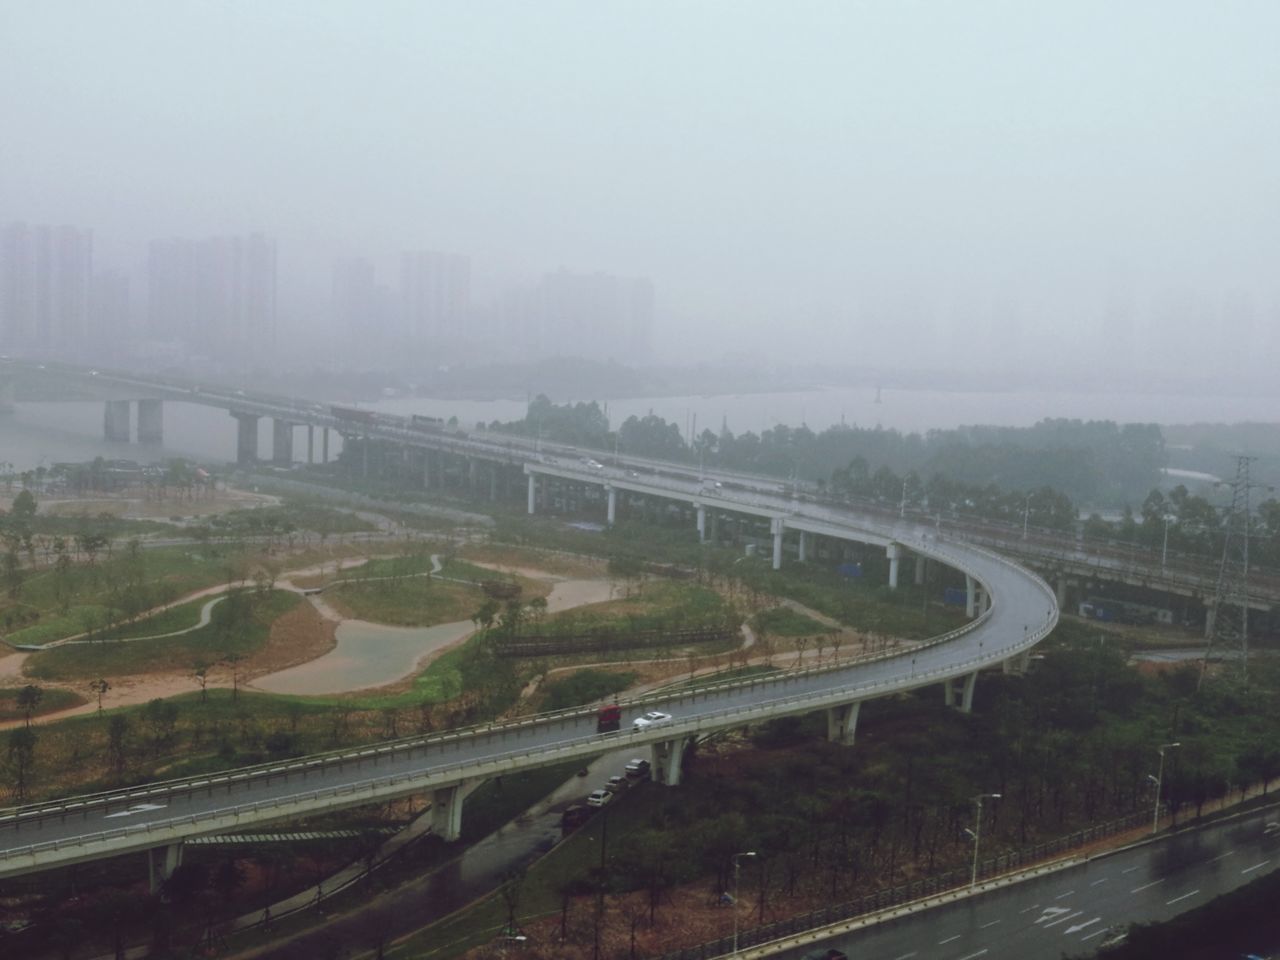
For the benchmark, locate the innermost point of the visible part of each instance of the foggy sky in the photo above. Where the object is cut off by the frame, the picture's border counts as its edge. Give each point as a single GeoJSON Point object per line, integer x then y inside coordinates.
{"type": "Point", "coordinates": [856, 182]}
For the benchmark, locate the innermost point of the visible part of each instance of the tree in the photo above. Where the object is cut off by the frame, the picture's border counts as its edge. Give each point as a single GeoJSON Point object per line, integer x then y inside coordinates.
{"type": "Point", "coordinates": [22, 755]}
{"type": "Point", "coordinates": [99, 687]}
{"type": "Point", "coordinates": [29, 698]}
{"type": "Point", "coordinates": [117, 746]}
{"type": "Point", "coordinates": [200, 673]}
{"type": "Point", "coordinates": [23, 508]}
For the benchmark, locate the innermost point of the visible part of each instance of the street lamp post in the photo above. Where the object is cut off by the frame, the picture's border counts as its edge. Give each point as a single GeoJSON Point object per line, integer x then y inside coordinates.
{"type": "Point", "coordinates": [1155, 813]}
{"type": "Point", "coordinates": [976, 833]}
{"type": "Point", "coordinates": [1164, 549]}
{"type": "Point", "coordinates": [737, 860]}
{"type": "Point", "coordinates": [1026, 515]}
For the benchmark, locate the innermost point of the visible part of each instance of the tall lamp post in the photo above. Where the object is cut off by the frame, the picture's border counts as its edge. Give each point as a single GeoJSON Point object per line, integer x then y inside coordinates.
{"type": "Point", "coordinates": [976, 832]}
{"type": "Point", "coordinates": [1155, 813]}
{"type": "Point", "coordinates": [1164, 549]}
{"type": "Point", "coordinates": [1026, 515]}
{"type": "Point", "coordinates": [737, 861]}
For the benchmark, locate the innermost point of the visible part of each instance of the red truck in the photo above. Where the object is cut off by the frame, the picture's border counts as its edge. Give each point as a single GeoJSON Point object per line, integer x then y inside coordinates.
{"type": "Point", "coordinates": [609, 718]}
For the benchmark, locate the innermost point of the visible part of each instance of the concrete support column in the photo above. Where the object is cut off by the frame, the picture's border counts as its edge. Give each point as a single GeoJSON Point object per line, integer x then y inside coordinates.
{"type": "Point", "coordinates": [115, 421]}
{"type": "Point", "coordinates": [446, 810]}
{"type": "Point", "coordinates": [842, 723]}
{"type": "Point", "coordinates": [246, 437]}
{"type": "Point", "coordinates": [964, 694]}
{"type": "Point", "coordinates": [612, 514]}
{"type": "Point", "coordinates": [161, 862]}
{"type": "Point", "coordinates": [324, 446]}
{"type": "Point", "coordinates": [702, 524]}
{"type": "Point", "coordinates": [984, 601]}
{"type": "Point", "coordinates": [311, 443]}
{"type": "Point", "coordinates": [471, 472]}
{"type": "Point", "coordinates": [281, 442]}
{"type": "Point", "coordinates": [920, 568]}
{"type": "Point", "coordinates": [970, 596]}
{"type": "Point", "coordinates": [779, 528]}
{"type": "Point", "coordinates": [894, 552]}
{"type": "Point", "coordinates": [668, 759]}
{"type": "Point", "coordinates": [150, 421]}
{"type": "Point", "coordinates": [804, 547]}
{"type": "Point", "coordinates": [533, 492]}
{"type": "Point", "coordinates": [1060, 591]}
{"type": "Point", "coordinates": [715, 527]}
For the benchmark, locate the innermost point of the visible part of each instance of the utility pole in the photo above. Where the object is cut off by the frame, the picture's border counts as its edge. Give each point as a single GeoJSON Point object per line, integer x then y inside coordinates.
{"type": "Point", "coordinates": [1227, 621]}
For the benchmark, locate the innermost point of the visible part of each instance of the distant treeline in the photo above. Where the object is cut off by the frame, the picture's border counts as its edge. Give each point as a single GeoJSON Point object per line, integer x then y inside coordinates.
{"type": "Point", "coordinates": [1090, 462]}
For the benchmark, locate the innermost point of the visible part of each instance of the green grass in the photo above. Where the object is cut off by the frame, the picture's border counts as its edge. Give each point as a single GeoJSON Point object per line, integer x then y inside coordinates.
{"type": "Point", "coordinates": [92, 660]}
{"type": "Point", "coordinates": [583, 686]}
{"type": "Point", "coordinates": [411, 602]}
{"type": "Point", "coordinates": [662, 604]}
{"type": "Point", "coordinates": [166, 621]}
{"type": "Point", "coordinates": [51, 701]}
{"type": "Point", "coordinates": [57, 626]}
{"type": "Point", "coordinates": [785, 622]}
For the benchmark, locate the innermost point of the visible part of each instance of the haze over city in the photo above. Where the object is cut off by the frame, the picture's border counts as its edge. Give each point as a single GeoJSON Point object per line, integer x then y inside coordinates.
{"type": "Point", "coordinates": [996, 185]}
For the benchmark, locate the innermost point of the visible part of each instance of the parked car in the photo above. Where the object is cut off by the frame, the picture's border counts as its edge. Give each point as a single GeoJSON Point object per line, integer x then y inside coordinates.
{"type": "Point", "coordinates": [637, 769]}
{"type": "Point", "coordinates": [599, 798]}
{"type": "Point", "coordinates": [617, 784]}
{"type": "Point", "coordinates": [574, 816]}
{"type": "Point", "coordinates": [654, 718]}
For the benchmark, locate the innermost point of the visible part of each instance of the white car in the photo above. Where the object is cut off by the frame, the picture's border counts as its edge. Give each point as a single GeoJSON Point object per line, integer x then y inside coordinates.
{"type": "Point", "coordinates": [599, 798]}
{"type": "Point", "coordinates": [654, 718]}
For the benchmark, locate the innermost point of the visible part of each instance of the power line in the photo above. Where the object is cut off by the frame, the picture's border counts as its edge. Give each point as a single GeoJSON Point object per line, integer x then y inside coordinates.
{"type": "Point", "coordinates": [1227, 621]}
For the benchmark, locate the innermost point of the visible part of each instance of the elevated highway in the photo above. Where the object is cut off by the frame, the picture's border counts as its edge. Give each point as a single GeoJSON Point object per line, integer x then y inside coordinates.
{"type": "Point", "coordinates": [1019, 613]}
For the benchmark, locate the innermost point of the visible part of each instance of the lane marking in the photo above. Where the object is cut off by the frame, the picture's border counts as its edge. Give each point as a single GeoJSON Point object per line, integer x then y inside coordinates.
{"type": "Point", "coordinates": [1256, 866]}
{"type": "Point", "coordinates": [973, 955]}
{"type": "Point", "coordinates": [1096, 933]}
{"type": "Point", "coordinates": [1222, 856]}
{"type": "Point", "coordinates": [1096, 882]}
{"type": "Point", "coordinates": [1048, 912]}
{"type": "Point", "coordinates": [1077, 927]}
{"type": "Point", "coordinates": [906, 956]}
{"type": "Point", "coordinates": [1169, 903]}
{"type": "Point", "coordinates": [1130, 869]}
{"type": "Point", "coordinates": [136, 808]}
{"type": "Point", "coordinates": [1146, 886]}
{"type": "Point", "coordinates": [1030, 908]}
{"type": "Point", "coordinates": [1069, 916]}
{"type": "Point", "coordinates": [949, 939]}
{"type": "Point", "coordinates": [1063, 896]}
{"type": "Point", "coordinates": [989, 923]}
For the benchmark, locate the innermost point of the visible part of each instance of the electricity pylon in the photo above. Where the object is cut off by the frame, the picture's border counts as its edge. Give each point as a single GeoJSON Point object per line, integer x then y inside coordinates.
{"type": "Point", "coordinates": [1227, 622]}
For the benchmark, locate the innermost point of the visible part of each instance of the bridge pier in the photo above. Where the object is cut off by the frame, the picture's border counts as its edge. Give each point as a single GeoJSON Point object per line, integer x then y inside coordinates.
{"type": "Point", "coordinates": [611, 513]}
{"type": "Point", "coordinates": [426, 469]}
{"type": "Point", "coordinates": [842, 723]}
{"type": "Point", "coordinates": [150, 421]}
{"type": "Point", "coordinates": [965, 694]}
{"type": "Point", "coordinates": [281, 442]}
{"type": "Point", "coordinates": [324, 446]}
{"type": "Point", "coordinates": [970, 597]}
{"type": "Point", "coordinates": [668, 760]}
{"type": "Point", "coordinates": [115, 421]}
{"type": "Point", "coordinates": [311, 443]}
{"type": "Point", "coordinates": [161, 862]}
{"type": "Point", "coordinates": [894, 552]}
{"type": "Point", "coordinates": [702, 524]}
{"type": "Point", "coordinates": [804, 547]}
{"type": "Point", "coordinates": [446, 809]}
{"type": "Point", "coordinates": [1017, 664]}
{"type": "Point", "coordinates": [246, 437]}
{"type": "Point", "coordinates": [921, 563]}
{"type": "Point", "coordinates": [779, 528]}
{"type": "Point", "coordinates": [533, 493]}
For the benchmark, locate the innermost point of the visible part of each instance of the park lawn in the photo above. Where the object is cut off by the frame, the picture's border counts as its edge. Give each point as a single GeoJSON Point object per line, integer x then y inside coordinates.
{"type": "Point", "coordinates": [89, 661]}
{"type": "Point", "coordinates": [377, 567]}
{"type": "Point", "coordinates": [181, 617]}
{"type": "Point", "coordinates": [785, 622]}
{"type": "Point", "coordinates": [557, 564]}
{"type": "Point", "coordinates": [662, 604]}
{"type": "Point", "coordinates": [51, 701]}
{"type": "Point", "coordinates": [410, 602]}
{"type": "Point", "coordinates": [582, 687]}
{"type": "Point", "coordinates": [56, 626]}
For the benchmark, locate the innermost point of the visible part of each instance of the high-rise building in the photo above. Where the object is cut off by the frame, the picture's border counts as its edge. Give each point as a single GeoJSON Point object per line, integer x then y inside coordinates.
{"type": "Point", "coordinates": [215, 296]}
{"type": "Point", "coordinates": [44, 287]}
{"type": "Point", "coordinates": [110, 319]}
{"type": "Point", "coordinates": [354, 298]}
{"type": "Point", "coordinates": [435, 294]}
